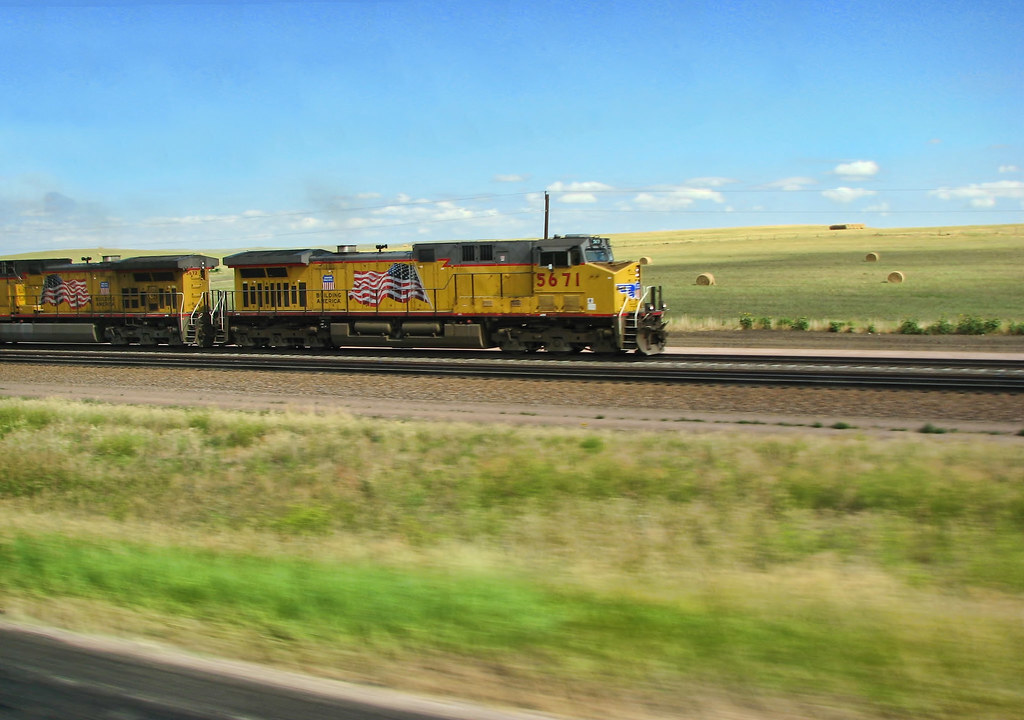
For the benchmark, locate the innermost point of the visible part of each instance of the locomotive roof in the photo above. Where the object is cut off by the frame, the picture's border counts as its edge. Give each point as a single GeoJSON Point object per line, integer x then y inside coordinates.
{"type": "Point", "coordinates": [163, 262]}
{"type": "Point", "coordinates": [518, 250]}
{"type": "Point", "coordinates": [153, 262]}
{"type": "Point", "coordinates": [31, 267]}
{"type": "Point", "coordinates": [556, 242]}
{"type": "Point", "coordinates": [305, 257]}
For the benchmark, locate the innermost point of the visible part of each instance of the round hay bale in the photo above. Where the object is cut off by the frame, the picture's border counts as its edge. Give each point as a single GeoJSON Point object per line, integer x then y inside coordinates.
{"type": "Point", "coordinates": [705, 279]}
{"type": "Point", "coordinates": [871, 257]}
{"type": "Point", "coordinates": [895, 276]}
{"type": "Point", "coordinates": [644, 260]}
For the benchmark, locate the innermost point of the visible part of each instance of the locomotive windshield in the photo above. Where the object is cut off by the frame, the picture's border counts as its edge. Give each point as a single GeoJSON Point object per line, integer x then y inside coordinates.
{"type": "Point", "coordinates": [599, 250]}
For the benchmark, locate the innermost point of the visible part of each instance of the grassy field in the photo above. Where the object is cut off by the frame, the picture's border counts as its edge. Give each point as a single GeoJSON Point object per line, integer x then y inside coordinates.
{"type": "Point", "coordinates": [773, 274]}
{"type": "Point", "coordinates": [822, 275]}
{"type": "Point", "coordinates": [842, 576]}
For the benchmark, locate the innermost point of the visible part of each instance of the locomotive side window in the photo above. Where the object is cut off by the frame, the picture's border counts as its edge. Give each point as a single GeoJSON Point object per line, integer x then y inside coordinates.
{"type": "Point", "coordinates": [555, 258]}
{"type": "Point", "coordinates": [277, 272]}
{"type": "Point", "coordinates": [252, 272]}
{"type": "Point", "coordinates": [425, 254]}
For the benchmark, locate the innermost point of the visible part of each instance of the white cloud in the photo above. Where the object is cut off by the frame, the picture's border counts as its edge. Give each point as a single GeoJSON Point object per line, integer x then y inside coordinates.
{"type": "Point", "coordinates": [857, 170]}
{"type": "Point", "coordinates": [709, 182]}
{"type": "Point", "coordinates": [578, 198]}
{"type": "Point", "coordinates": [589, 186]}
{"type": "Point", "coordinates": [983, 195]}
{"type": "Point", "coordinates": [578, 192]}
{"type": "Point", "coordinates": [511, 178]}
{"type": "Point", "coordinates": [676, 198]}
{"type": "Point", "coordinates": [1009, 169]}
{"type": "Point", "coordinates": [847, 194]}
{"type": "Point", "coordinates": [791, 184]}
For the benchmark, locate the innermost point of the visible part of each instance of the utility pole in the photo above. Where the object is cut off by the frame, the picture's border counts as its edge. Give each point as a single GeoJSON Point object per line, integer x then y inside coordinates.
{"type": "Point", "coordinates": [547, 210]}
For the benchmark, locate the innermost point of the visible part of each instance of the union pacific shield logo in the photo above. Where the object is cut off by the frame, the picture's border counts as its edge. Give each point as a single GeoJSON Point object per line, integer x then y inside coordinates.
{"type": "Point", "coordinates": [632, 290]}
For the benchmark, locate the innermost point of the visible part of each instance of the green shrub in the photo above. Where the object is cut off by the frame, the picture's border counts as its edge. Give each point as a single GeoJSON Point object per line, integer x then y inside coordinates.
{"type": "Point", "coordinates": [970, 325]}
{"type": "Point", "coordinates": [835, 326]}
{"type": "Point", "coordinates": [765, 323]}
{"type": "Point", "coordinates": [801, 323]}
{"type": "Point", "coordinates": [941, 327]}
{"type": "Point", "coordinates": [746, 321]}
{"type": "Point", "coordinates": [910, 327]}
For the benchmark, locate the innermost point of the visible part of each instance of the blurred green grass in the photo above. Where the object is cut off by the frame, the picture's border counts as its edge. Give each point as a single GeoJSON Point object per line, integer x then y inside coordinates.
{"type": "Point", "coordinates": [885, 575]}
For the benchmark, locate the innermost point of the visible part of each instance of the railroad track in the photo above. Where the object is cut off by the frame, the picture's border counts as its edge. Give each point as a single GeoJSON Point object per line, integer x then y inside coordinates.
{"type": "Point", "coordinates": [965, 374]}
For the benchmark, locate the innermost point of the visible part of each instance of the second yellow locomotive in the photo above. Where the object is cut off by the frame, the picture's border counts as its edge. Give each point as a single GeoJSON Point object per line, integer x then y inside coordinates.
{"type": "Point", "coordinates": [563, 294]}
{"type": "Point", "coordinates": [144, 300]}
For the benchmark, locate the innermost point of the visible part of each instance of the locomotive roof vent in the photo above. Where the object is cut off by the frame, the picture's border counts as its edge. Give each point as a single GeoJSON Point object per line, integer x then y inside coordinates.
{"type": "Point", "coordinates": [111, 258]}
{"type": "Point", "coordinates": [347, 249]}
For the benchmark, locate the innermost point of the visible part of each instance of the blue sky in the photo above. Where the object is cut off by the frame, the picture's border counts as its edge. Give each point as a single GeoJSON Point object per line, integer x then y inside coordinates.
{"type": "Point", "coordinates": [205, 125]}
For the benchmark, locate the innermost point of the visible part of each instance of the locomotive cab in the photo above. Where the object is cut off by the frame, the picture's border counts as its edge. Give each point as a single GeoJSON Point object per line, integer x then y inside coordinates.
{"type": "Point", "coordinates": [570, 250]}
{"type": "Point", "coordinates": [588, 299]}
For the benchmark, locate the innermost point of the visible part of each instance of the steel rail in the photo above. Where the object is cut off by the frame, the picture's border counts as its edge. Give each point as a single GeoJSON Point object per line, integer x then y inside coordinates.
{"type": "Point", "coordinates": [982, 375]}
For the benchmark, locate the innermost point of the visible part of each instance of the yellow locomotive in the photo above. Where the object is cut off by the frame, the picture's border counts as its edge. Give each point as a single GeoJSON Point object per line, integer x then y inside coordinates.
{"type": "Point", "coordinates": [562, 295]}
{"type": "Point", "coordinates": [145, 300]}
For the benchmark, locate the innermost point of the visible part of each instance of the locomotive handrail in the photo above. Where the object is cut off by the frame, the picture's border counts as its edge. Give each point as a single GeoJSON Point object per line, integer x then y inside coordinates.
{"type": "Point", "coordinates": [641, 303]}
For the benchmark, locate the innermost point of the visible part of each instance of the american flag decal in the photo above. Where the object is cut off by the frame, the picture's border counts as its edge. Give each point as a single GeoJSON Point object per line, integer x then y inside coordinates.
{"type": "Point", "coordinates": [401, 282]}
{"type": "Point", "coordinates": [57, 290]}
{"type": "Point", "coordinates": [630, 289]}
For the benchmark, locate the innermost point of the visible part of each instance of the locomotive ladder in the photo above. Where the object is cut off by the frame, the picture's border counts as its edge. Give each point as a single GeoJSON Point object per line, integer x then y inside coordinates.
{"type": "Point", "coordinates": [629, 332]}
{"type": "Point", "coordinates": [631, 321]}
{"type": "Point", "coordinates": [216, 320]}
